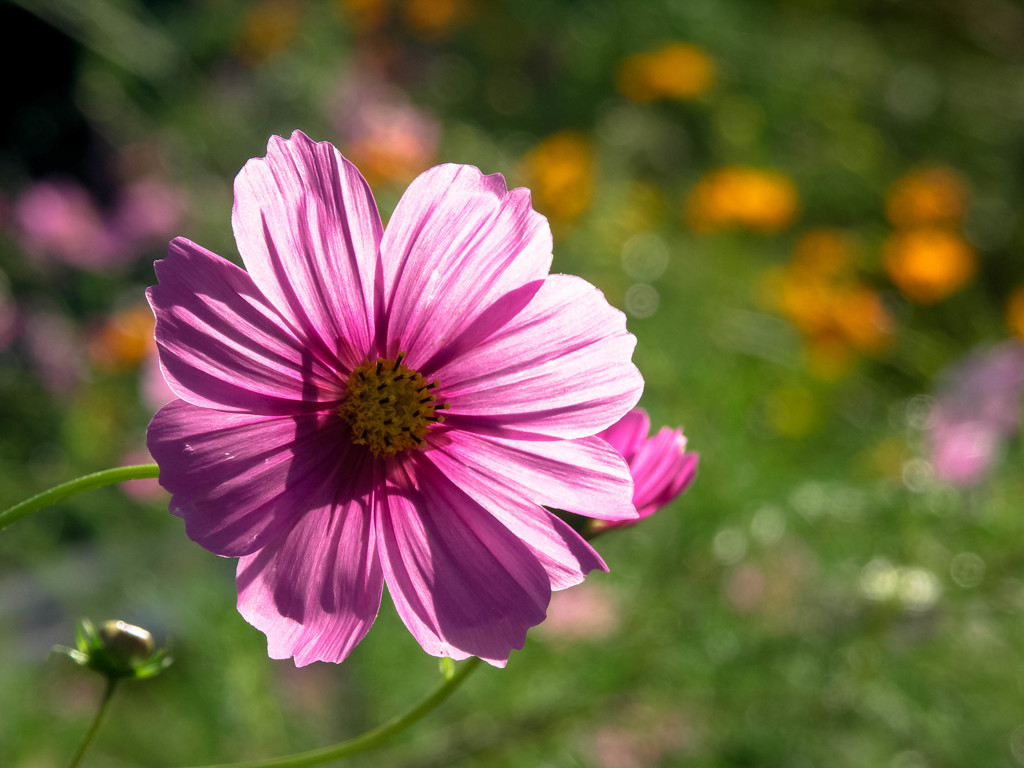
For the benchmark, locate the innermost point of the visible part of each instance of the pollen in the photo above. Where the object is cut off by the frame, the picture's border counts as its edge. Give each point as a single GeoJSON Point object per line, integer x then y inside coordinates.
{"type": "Point", "coordinates": [389, 407]}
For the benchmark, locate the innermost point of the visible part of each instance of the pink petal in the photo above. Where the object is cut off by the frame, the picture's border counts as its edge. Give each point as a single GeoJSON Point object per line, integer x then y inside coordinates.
{"type": "Point", "coordinates": [308, 231]}
{"type": "Point", "coordinates": [457, 242]}
{"type": "Point", "coordinates": [462, 583]}
{"type": "Point", "coordinates": [629, 433]}
{"type": "Point", "coordinates": [564, 555]}
{"type": "Point", "coordinates": [241, 480]}
{"type": "Point", "coordinates": [560, 368]}
{"type": "Point", "coordinates": [585, 476]}
{"type": "Point", "coordinates": [316, 591]}
{"type": "Point", "coordinates": [661, 470]}
{"type": "Point", "coordinates": [222, 345]}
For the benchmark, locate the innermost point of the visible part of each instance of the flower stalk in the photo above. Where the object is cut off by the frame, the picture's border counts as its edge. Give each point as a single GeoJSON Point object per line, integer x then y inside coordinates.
{"type": "Point", "coordinates": [108, 693]}
{"type": "Point", "coordinates": [76, 486]}
{"type": "Point", "coordinates": [374, 738]}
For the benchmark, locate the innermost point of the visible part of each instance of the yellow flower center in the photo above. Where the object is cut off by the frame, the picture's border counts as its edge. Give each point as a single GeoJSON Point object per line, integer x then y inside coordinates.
{"type": "Point", "coordinates": [389, 407]}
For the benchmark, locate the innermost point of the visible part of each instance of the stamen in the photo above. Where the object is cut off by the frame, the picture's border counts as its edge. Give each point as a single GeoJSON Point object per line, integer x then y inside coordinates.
{"type": "Point", "coordinates": [389, 407]}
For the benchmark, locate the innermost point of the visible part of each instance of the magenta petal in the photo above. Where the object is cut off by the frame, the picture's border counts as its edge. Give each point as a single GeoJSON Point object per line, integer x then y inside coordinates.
{"type": "Point", "coordinates": [560, 368]}
{"type": "Point", "coordinates": [564, 555]}
{"type": "Point", "coordinates": [629, 433]}
{"type": "Point", "coordinates": [222, 345]}
{"type": "Point", "coordinates": [241, 480]}
{"type": "Point", "coordinates": [462, 583]}
{"type": "Point", "coordinates": [661, 470]}
{"type": "Point", "coordinates": [457, 242]}
{"type": "Point", "coordinates": [316, 591]}
{"type": "Point", "coordinates": [585, 476]}
{"type": "Point", "coordinates": [308, 231]}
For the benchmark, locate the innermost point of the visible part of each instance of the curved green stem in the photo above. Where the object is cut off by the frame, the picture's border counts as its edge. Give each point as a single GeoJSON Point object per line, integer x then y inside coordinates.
{"type": "Point", "coordinates": [372, 739]}
{"type": "Point", "coordinates": [84, 483]}
{"type": "Point", "coordinates": [91, 733]}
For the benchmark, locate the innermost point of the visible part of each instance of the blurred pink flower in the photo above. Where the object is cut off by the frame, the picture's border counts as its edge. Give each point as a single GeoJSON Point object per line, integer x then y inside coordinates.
{"type": "Point", "coordinates": [58, 220]}
{"type": "Point", "coordinates": [153, 388]}
{"type": "Point", "coordinates": [381, 131]}
{"type": "Point", "coordinates": [585, 612]}
{"type": "Point", "coordinates": [148, 211]}
{"type": "Point", "coordinates": [660, 465]}
{"type": "Point", "coordinates": [55, 350]}
{"type": "Point", "coordinates": [147, 489]}
{"type": "Point", "coordinates": [365, 407]}
{"type": "Point", "coordinates": [638, 736]}
{"type": "Point", "coordinates": [976, 410]}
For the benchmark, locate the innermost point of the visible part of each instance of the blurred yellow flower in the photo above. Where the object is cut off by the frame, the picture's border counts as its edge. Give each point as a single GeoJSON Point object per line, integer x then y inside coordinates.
{"type": "Point", "coordinates": [269, 27]}
{"type": "Point", "coordinates": [927, 197]}
{"type": "Point", "coordinates": [676, 71]}
{"type": "Point", "coordinates": [792, 410]}
{"type": "Point", "coordinates": [560, 173]}
{"type": "Point", "coordinates": [124, 340]}
{"type": "Point", "coordinates": [643, 208]}
{"type": "Point", "coordinates": [1015, 312]}
{"type": "Point", "coordinates": [927, 265]}
{"type": "Point", "coordinates": [765, 201]}
{"type": "Point", "coordinates": [829, 358]}
{"type": "Point", "coordinates": [887, 458]}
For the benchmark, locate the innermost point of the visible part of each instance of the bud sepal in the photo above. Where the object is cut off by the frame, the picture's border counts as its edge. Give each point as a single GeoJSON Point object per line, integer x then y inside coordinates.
{"type": "Point", "coordinates": [117, 650]}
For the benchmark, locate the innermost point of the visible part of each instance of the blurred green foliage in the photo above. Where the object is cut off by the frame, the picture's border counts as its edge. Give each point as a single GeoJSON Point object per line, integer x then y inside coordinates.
{"type": "Point", "coordinates": [818, 597]}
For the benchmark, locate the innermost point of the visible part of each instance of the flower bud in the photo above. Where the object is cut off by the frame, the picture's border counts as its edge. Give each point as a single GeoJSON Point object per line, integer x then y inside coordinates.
{"type": "Point", "coordinates": [117, 650]}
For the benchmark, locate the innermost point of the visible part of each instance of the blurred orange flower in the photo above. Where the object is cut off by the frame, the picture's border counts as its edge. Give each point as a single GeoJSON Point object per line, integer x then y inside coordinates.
{"type": "Point", "coordinates": [1015, 312]}
{"type": "Point", "coordinates": [363, 15]}
{"type": "Point", "coordinates": [435, 18]}
{"type": "Point", "coordinates": [765, 201]}
{"type": "Point", "coordinates": [124, 340]}
{"type": "Point", "coordinates": [676, 71]}
{"type": "Point", "coordinates": [927, 197]}
{"type": "Point", "coordinates": [824, 251]}
{"type": "Point", "coordinates": [429, 19]}
{"type": "Point", "coordinates": [861, 318]}
{"type": "Point", "coordinates": [849, 312]}
{"type": "Point", "coordinates": [837, 314]}
{"type": "Point", "coordinates": [560, 173]}
{"type": "Point", "coordinates": [928, 264]}
{"type": "Point", "coordinates": [269, 27]}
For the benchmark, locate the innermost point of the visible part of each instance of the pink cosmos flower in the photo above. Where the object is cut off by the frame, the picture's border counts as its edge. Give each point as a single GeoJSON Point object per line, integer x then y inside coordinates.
{"type": "Point", "coordinates": [586, 612]}
{"type": "Point", "coordinates": [366, 407]}
{"type": "Point", "coordinates": [977, 409]}
{"type": "Point", "coordinates": [382, 130]}
{"type": "Point", "coordinates": [58, 220]}
{"type": "Point", "coordinates": [660, 465]}
{"type": "Point", "coordinates": [148, 211]}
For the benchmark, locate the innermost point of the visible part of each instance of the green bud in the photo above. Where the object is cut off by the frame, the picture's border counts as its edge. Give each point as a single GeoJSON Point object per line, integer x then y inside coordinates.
{"type": "Point", "coordinates": [117, 650]}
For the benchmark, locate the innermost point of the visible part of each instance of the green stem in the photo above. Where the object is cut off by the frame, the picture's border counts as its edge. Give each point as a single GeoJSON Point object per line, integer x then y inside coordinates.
{"type": "Point", "coordinates": [84, 483]}
{"type": "Point", "coordinates": [91, 733]}
{"type": "Point", "coordinates": [372, 739]}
